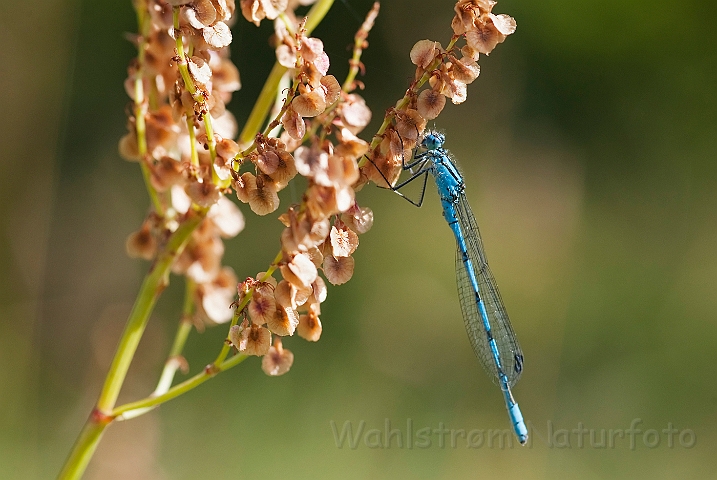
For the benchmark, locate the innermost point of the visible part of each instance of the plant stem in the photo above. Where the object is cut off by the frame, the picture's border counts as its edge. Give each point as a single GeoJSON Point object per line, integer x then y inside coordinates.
{"type": "Point", "coordinates": [158, 276]}
{"type": "Point", "coordinates": [209, 372]}
{"type": "Point", "coordinates": [140, 108]}
{"type": "Point", "coordinates": [175, 361]}
{"type": "Point", "coordinates": [266, 98]}
{"type": "Point", "coordinates": [316, 14]}
{"type": "Point", "coordinates": [262, 105]}
{"type": "Point", "coordinates": [84, 447]}
{"type": "Point", "coordinates": [140, 407]}
{"type": "Point", "coordinates": [152, 286]}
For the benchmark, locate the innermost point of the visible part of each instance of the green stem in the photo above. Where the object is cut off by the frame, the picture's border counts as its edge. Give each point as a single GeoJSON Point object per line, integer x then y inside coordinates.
{"type": "Point", "coordinates": [262, 105]}
{"type": "Point", "coordinates": [182, 64]}
{"type": "Point", "coordinates": [212, 144]}
{"type": "Point", "coordinates": [174, 361]}
{"type": "Point", "coordinates": [84, 447]}
{"type": "Point", "coordinates": [221, 364]}
{"type": "Point", "coordinates": [209, 372]}
{"type": "Point", "coordinates": [140, 104]}
{"type": "Point", "coordinates": [153, 284]}
{"type": "Point", "coordinates": [268, 92]}
{"type": "Point", "coordinates": [146, 174]}
{"type": "Point", "coordinates": [316, 14]}
{"type": "Point", "coordinates": [193, 156]}
{"type": "Point", "coordinates": [185, 324]}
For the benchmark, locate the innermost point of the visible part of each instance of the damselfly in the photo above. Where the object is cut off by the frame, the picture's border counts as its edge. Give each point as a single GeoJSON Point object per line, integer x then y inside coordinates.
{"type": "Point", "coordinates": [486, 320]}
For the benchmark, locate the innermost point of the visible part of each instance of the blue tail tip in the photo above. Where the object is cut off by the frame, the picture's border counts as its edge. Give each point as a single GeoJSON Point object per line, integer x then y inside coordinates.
{"type": "Point", "coordinates": [521, 431]}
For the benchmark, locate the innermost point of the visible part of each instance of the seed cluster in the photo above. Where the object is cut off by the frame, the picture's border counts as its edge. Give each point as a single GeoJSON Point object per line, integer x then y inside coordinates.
{"type": "Point", "coordinates": [183, 137]}
{"type": "Point", "coordinates": [447, 77]}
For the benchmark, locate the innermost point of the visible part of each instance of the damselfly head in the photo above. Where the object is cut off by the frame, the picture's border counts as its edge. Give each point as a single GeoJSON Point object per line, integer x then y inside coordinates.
{"type": "Point", "coordinates": [433, 140]}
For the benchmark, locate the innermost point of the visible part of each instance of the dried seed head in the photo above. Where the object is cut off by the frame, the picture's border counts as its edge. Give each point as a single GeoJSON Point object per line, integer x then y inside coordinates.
{"type": "Point", "coordinates": [286, 56]}
{"type": "Point", "coordinates": [457, 92]}
{"type": "Point", "coordinates": [359, 219]}
{"type": "Point", "coordinates": [319, 230]}
{"type": "Point", "coordinates": [344, 241]}
{"type": "Point", "coordinates": [224, 125]}
{"type": "Point", "coordinates": [262, 306]}
{"type": "Point", "coordinates": [200, 13]}
{"type": "Point", "coordinates": [218, 35]}
{"type": "Point", "coordinates": [161, 131]}
{"type": "Point", "coordinates": [321, 201]}
{"type": "Point", "coordinates": [350, 146]}
{"type": "Point", "coordinates": [486, 34]}
{"type": "Point", "coordinates": [285, 170]}
{"type": "Point", "coordinates": [141, 244]}
{"type": "Point", "coordinates": [226, 217]}
{"type": "Point", "coordinates": [311, 49]}
{"type": "Point", "coordinates": [338, 270]}
{"type": "Point", "coordinates": [310, 325]}
{"type": "Point", "coordinates": [424, 52]}
{"type": "Point", "coordinates": [354, 112]}
{"type": "Point", "coordinates": [379, 170]}
{"type": "Point", "coordinates": [242, 185]}
{"type": "Point", "coordinates": [316, 256]}
{"type": "Point", "coordinates": [278, 360]}
{"type": "Point", "coordinates": [251, 340]}
{"type": "Point", "coordinates": [235, 334]}
{"type": "Point", "coordinates": [227, 148]}
{"type": "Point", "coordinates": [128, 147]}
{"type": "Point", "coordinates": [332, 89]}
{"type": "Point", "coordinates": [312, 162]}
{"type": "Point", "coordinates": [201, 259]}
{"type": "Point", "coordinates": [256, 10]}
{"type": "Point", "coordinates": [470, 52]}
{"type": "Point", "coordinates": [464, 70]}
{"type": "Point", "coordinates": [166, 173]}
{"type": "Point", "coordinates": [225, 76]}
{"type": "Point", "coordinates": [225, 9]}
{"type": "Point", "coordinates": [199, 69]}
{"type": "Point", "coordinates": [180, 200]}
{"type": "Point", "coordinates": [409, 126]}
{"type": "Point", "coordinates": [265, 284]}
{"type": "Point", "coordinates": [387, 161]}
{"type": "Point", "coordinates": [430, 103]}
{"type": "Point", "coordinates": [505, 24]}
{"type": "Point", "coordinates": [267, 161]}
{"type": "Point", "coordinates": [294, 124]}
{"type": "Point", "coordinates": [204, 194]}
{"type": "Point", "coordinates": [216, 106]}
{"type": "Point", "coordinates": [310, 104]}
{"type": "Point", "coordinates": [217, 296]}
{"type": "Point", "coordinates": [468, 12]}
{"type": "Point", "coordinates": [318, 291]}
{"type": "Point", "coordinates": [300, 271]}
{"type": "Point", "coordinates": [342, 171]}
{"type": "Point", "coordinates": [284, 321]}
{"type": "Point", "coordinates": [259, 192]}
{"type": "Point", "coordinates": [285, 294]}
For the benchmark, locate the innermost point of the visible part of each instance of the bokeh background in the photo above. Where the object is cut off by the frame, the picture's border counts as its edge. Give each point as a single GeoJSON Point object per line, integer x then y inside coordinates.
{"type": "Point", "coordinates": [588, 144]}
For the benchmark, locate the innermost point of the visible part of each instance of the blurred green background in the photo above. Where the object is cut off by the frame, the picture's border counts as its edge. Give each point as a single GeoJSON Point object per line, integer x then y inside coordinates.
{"type": "Point", "coordinates": [588, 144]}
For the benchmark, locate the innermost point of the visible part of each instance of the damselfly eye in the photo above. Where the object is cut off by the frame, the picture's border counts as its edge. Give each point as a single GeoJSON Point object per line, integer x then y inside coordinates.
{"type": "Point", "coordinates": [432, 141]}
